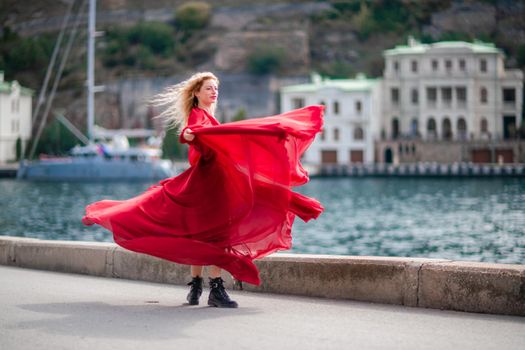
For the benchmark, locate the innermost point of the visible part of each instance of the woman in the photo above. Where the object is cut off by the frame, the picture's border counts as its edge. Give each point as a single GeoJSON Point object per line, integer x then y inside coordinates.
{"type": "Point", "coordinates": [233, 205]}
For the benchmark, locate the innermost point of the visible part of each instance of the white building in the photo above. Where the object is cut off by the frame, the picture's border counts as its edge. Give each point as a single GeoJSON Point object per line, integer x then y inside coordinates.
{"type": "Point", "coordinates": [15, 118]}
{"type": "Point", "coordinates": [450, 91]}
{"type": "Point", "coordinates": [350, 127]}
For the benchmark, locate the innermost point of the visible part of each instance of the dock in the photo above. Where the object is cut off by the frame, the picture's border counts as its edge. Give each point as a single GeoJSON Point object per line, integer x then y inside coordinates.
{"type": "Point", "coordinates": [8, 170]}
{"type": "Point", "coordinates": [420, 170]}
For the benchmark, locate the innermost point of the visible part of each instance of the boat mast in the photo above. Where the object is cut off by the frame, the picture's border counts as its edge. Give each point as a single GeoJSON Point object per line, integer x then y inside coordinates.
{"type": "Point", "coordinates": [91, 69]}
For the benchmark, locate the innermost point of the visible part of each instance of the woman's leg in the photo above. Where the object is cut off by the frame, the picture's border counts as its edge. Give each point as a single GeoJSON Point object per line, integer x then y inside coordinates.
{"type": "Point", "coordinates": [214, 271]}
{"type": "Point", "coordinates": [196, 271]}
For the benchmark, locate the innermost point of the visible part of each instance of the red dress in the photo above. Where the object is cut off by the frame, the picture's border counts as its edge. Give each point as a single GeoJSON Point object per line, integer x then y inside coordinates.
{"type": "Point", "coordinates": [234, 204]}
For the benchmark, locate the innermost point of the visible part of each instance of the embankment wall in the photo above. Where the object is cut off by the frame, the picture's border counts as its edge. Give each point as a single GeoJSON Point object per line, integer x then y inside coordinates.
{"type": "Point", "coordinates": [415, 282]}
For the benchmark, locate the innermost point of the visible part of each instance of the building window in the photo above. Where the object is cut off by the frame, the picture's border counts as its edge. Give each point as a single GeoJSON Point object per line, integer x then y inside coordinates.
{"type": "Point", "coordinates": [431, 128]}
{"type": "Point", "coordinates": [462, 65]}
{"type": "Point", "coordinates": [483, 65]}
{"type": "Point", "coordinates": [298, 102]}
{"type": "Point", "coordinates": [446, 95]}
{"type": "Point", "coordinates": [484, 126]}
{"type": "Point", "coordinates": [483, 95]}
{"type": "Point", "coordinates": [394, 95]}
{"type": "Point", "coordinates": [448, 65]}
{"type": "Point", "coordinates": [462, 129]}
{"type": "Point", "coordinates": [322, 135]}
{"type": "Point", "coordinates": [435, 65]}
{"type": "Point", "coordinates": [461, 94]}
{"type": "Point", "coordinates": [431, 96]}
{"type": "Point", "coordinates": [414, 127]}
{"type": "Point", "coordinates": [413, 66]}
{"type": "Point", "coordinates": [446, 128]}
{"type": "Point", "coordinates": [396, 66]}
{"type": "Point", "coordinates": [358, 133]}
{"type": "Point", "coordinates": [336, 134]}
{"type": "Point", "coordinates": [509, 95]}
{"type": "Point", "coordinates": [358, 107]}
{"type": "Point", "coordinates": [395, 128]}
{"type": "Point", "coordinates": [336, 107]}
{"type": "Point", "coordinates": [509, 127]}
{"type": "Point", "coordinates": [414, 96]}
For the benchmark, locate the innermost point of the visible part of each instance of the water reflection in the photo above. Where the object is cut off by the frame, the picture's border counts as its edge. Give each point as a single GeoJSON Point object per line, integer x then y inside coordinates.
{"type": "Point", "coordinates": [467, 219]}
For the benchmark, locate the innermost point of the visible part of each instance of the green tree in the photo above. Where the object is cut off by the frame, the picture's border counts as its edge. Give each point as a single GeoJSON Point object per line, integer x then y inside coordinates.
{"type": "Point", "coordinates": [18, 148]}
{"type": "Point", "coordinates": [171, 147]}
{"type": "Point", "coordinates": [56, 139]}
{"type": "Point", "coordinates": [192, 15]}
{"type": "Point", "coordinates": [240, 115]}
{"type": "Point", "coordinates": [521, 55]}
{"type": "Point", "coordinates": [266, 60]}
{"type": "Point", "coordinates": [156, 36]}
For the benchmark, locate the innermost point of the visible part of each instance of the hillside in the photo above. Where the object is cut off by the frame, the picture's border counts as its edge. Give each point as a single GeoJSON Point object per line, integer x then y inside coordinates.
{"type": "Point", "coordinates": [337, 38]}
{"type": "Point", "coordinates": [255, 46]}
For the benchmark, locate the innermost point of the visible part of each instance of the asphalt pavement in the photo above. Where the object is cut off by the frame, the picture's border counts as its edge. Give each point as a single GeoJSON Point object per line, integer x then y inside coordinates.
{"type": "Point", "coordinates": [50, 310]}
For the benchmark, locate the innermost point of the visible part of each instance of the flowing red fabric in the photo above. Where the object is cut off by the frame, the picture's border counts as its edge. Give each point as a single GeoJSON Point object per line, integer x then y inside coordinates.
{"type": "Point", "coordinates": [233, 205]}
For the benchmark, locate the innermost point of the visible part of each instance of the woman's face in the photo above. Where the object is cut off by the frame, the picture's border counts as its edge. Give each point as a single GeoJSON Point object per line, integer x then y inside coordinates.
{"type": "Point", "coordinates": [208, 93]}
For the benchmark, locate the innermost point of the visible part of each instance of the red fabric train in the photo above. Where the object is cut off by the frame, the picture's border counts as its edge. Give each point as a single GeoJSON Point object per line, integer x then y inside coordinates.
{"type": "Point", "coordinates": [233, 205]}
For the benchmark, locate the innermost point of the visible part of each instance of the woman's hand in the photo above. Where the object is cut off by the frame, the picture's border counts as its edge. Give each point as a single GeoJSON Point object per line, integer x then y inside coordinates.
{"type": "Point", "coordinates": [188, 135]}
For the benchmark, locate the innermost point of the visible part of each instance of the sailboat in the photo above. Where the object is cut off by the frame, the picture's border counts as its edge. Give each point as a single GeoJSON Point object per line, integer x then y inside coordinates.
{"type": "Point", "coordinates": [111, 158]}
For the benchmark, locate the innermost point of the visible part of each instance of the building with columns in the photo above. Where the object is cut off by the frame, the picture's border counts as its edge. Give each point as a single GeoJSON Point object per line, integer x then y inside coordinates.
{"type": "Point", "coordinates": [15, 118]}
{"type": "Point", "coordinates": [449, 93]}
{"type": "Point", "coordinates": [350, 122]}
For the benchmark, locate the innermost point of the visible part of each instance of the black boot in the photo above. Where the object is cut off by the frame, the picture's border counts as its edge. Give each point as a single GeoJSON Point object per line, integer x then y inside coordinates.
{"type": "Point", "coordinates": [195, 291]}
{"type": "Point", "coordinates": [218, 296]}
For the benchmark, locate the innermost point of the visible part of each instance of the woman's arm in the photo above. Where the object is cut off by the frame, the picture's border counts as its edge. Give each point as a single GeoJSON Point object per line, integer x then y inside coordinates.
{"type": "Point", "coordinates": [194, 119]}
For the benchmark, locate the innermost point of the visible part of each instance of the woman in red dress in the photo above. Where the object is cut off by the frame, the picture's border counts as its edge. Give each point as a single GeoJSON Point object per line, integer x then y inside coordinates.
{"type": "Point", "coordinates": [233, 205]}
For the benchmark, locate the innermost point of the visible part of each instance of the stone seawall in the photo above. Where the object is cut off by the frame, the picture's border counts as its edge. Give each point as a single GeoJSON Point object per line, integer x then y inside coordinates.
{"type": "Point", "coordinates": [416, 282]}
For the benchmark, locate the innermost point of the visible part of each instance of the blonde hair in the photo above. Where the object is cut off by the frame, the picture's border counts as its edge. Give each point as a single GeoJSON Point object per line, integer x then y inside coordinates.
{"type": "Point", "coordinates": [180, 99]}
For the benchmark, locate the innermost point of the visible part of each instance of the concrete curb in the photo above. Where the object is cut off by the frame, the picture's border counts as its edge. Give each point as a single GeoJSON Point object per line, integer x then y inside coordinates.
{"type": "Point", "coordinates": [430, 283]}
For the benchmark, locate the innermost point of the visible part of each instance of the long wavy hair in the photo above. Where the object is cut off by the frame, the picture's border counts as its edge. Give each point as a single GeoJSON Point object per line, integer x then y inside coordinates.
{"type": "Point", "coordinates": [180, 99]}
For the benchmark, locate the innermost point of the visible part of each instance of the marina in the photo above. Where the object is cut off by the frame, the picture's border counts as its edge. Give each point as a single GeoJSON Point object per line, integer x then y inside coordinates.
{"type": "Point", "coordinates": [474, 219]}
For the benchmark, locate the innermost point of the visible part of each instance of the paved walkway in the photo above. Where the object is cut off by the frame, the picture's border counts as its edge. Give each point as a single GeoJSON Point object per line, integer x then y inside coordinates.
{"type": "Point", "coordinates": [48, 310]}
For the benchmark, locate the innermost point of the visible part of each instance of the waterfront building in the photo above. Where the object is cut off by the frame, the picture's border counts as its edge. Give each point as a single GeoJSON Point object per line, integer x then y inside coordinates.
{"type": "Point", "coordinates": [15, 118]}
{"type": "Point", "coordinates": [350, 122]}
{"type": "Point", "coordinates": [448, 102]}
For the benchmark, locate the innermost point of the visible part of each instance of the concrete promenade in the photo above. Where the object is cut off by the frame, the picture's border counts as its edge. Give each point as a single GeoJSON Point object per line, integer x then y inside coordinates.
{"type": "Point", "coordinates": [51, 310]}
{"type": "Point", "coordinates": [427, 283]}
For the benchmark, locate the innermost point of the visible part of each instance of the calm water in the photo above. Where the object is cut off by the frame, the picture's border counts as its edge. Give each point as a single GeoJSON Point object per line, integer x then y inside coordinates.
{"type": "Point", "coordinates": [467, 219]}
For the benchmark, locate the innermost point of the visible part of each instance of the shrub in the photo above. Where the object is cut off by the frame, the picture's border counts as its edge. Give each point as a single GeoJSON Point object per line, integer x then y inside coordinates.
{"type": "Point", "coordinates": [157, 36]}
{"type": "Point", "coordinates": [145, 58]}
{"type": "Point", "coordinates": [240, 115]}
{"type": "Point", "coordinates": [56, 139]}
{"type": "Point", "coordinates": [171, 147]}
{"type": "Point", "coordinates": [192, 15]}
{"type": "Point", "coordinates": [30, 53]}
{"type": "Point", "coordinates": [18, 148]}
{"type": "Point", "coordinates": [521, 55]}
{"type": "Point", "coordinates": [266, 59]}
